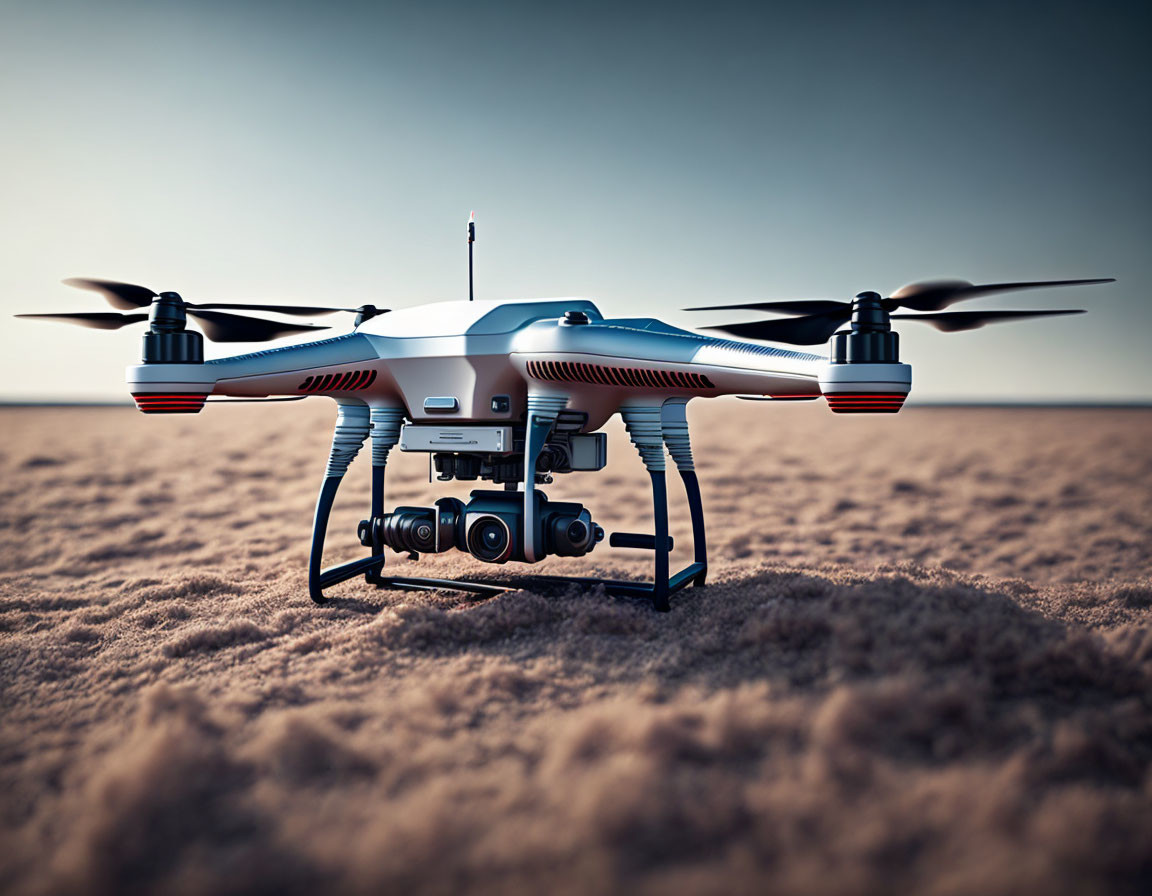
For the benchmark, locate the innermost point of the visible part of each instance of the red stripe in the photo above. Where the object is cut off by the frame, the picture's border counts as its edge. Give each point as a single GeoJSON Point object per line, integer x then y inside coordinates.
{"type": "Point", "coordinates": [150, 395]}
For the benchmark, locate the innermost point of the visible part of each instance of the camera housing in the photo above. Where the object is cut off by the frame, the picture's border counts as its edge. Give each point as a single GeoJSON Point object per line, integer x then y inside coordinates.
{"type": "Point", "coordinates": [490, 527]}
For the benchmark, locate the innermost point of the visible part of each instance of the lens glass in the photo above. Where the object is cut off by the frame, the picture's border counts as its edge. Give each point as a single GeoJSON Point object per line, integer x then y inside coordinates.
{"type": "Point", "coordinates": [577, 532]}
{"type": "Point", "coordinates": [488, 539]}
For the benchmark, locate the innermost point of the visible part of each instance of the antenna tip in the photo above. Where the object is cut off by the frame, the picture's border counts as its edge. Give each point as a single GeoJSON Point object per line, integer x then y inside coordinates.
{"type": "Point", "coordinates": [471, 217]}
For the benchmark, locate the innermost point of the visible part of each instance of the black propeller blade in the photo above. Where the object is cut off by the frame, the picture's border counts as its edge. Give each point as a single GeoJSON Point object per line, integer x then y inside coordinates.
{"type": "Point", "coordinates": [129, 296]}
{"type": "Point", "coordinates": [936, 295]}
{"type": "Point", "coordinates": [812, 329]}
{"type": "Point", "coordinates": [803, 306]}
{"type": "Point", "coordinates": [119, 295]}
{"type": "Point", "coordinates": [300, 310]}
{"type": "Point", "coordinates": [97, 320]}
{"type": "Point", "coordinates": [222, 327]}
{"type": "Point", "coordinates": [927, 295]}
{"type": "Point", "coordinates": [219, 326]}
{"type": "Point", "coordinates": [818, 319]}
{"type": "Point", "coordinates": [956, 321]}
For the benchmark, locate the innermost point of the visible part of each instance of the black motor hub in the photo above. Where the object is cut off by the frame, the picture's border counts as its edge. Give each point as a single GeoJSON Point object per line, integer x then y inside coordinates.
{"type": "Point", "coordinates": [167, 341]}
{"type": "Point", "coordinates": [871, 339]}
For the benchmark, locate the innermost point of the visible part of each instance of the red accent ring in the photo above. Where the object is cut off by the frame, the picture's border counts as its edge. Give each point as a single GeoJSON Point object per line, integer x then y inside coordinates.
{"type": "Point", "coordinates": [865, 402]}
{"type": "Point", "coordinates": [169, 402]}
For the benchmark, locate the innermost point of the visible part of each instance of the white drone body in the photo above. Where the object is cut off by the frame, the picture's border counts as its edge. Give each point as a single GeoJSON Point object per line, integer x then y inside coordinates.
{"type": "Point", "coordinates": [448, 363]}
{"type": "Point", "coordinates": [516, 392]}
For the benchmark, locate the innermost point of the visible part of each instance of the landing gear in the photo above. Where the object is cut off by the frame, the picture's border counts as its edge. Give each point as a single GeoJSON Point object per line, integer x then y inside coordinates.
{"type": "Point", "coordinates": [650, 428]}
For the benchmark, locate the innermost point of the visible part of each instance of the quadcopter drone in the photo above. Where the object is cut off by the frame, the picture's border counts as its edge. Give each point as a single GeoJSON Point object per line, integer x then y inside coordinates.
{"type": "Point", "coordinates": [516, 392]}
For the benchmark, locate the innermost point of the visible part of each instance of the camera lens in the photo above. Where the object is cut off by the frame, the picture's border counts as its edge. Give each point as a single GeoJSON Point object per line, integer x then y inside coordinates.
{"type": "Point", "coordinates": [577, 532]}
{"type": "Point", "coordinates": [489, 539]}
{"type": "Point", "coordinates": [410, 529]}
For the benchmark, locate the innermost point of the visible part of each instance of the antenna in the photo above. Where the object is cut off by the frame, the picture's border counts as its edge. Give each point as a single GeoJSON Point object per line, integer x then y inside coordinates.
{"type": "Point", "coordinates": [471, 240]}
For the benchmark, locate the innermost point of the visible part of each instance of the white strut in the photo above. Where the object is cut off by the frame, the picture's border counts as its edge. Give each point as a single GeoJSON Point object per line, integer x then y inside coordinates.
{"type": "Point", "coordinates": [645, 427]}
{"type": "Point", "coordinates": [674, 423]}
{"type": "Point", "coordinates": [386, 423]}
{"type": "Point", "coordinates": [352, 423]}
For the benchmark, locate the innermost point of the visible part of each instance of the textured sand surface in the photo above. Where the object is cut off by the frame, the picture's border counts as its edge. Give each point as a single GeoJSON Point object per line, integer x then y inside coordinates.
{"type": "Point", "coordinates": [923, 663]}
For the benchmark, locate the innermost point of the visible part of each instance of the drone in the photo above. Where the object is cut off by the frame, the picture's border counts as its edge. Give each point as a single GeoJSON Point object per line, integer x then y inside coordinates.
{"type": "Point", "coordinates": [513, 393]}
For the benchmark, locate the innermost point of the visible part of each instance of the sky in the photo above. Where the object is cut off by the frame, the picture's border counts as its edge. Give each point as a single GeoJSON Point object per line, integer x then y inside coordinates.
{"type": "Point", "coordinates": [650, 157]}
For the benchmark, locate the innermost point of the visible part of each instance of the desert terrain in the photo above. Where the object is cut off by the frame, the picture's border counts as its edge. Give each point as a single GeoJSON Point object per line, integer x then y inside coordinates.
{"type": "Point", "coordinates": [922, 663]}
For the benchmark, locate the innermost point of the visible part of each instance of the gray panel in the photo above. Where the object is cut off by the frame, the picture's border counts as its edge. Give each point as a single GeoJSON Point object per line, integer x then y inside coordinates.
{"type": "Point", "coordinates": [588, 452]}
{"type": "Point", "coordinates": [488, 439]}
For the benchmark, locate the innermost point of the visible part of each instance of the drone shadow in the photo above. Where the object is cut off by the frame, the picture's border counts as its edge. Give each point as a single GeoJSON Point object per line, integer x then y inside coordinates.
{"type": "Point", "coordinates": [801, 630]}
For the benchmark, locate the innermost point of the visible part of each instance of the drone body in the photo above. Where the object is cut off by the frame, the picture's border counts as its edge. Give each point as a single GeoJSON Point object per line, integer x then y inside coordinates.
{"type": "Point", "coordinates": [466, 363]}
{"type": "Point", "coordinates": [514, 393]}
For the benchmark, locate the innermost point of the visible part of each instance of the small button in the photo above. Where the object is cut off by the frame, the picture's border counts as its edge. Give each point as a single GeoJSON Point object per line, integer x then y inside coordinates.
{"type": "Point", "coordinates": [574, 318]}
{"type": "Point", "coordinates": [501, 404]}
{"type": "Point", "coordinates": [445, 404]}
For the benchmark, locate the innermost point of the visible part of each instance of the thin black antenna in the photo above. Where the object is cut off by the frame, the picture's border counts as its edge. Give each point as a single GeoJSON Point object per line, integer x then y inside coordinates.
{"type": "Point", "coordinates": [471, 240]}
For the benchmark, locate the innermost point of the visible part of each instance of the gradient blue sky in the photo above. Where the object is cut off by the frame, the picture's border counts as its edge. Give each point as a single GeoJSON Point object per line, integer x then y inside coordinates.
{"type": "Point", "coordinates": [649, 157]}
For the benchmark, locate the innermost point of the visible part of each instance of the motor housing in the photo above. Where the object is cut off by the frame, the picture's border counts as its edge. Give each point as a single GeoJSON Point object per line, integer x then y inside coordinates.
{"type": "Point", "coordinates": [857, 388]}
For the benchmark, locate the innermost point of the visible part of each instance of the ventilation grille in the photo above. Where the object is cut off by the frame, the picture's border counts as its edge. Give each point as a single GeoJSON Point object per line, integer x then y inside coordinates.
{"type": "Point", "coordinates": [600, 375]}
{"type": "Point", "coordinates": [346, 381]}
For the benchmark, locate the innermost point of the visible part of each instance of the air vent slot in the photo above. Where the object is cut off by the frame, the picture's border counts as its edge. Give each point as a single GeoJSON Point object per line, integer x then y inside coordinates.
{"type": "Point", "coordinates": [603, 375]}
{"type": "Point", "coordinates": [342, 381]}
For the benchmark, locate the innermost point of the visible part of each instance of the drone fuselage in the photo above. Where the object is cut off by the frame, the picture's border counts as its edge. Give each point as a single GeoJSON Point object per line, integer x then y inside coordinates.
{"type": "Point", "coordinates": [477, 362]}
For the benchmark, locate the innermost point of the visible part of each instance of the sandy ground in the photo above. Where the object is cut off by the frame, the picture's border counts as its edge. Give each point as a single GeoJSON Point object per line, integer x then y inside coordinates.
{"type": "Point", "coordinates": [923, 663]}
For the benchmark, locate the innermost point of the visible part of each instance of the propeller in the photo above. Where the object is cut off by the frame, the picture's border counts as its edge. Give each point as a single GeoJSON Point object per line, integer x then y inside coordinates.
{"type": "Point", "coordinates": [956, 321]}
{"type": "Point", "coordinates": [219, 326]}
{"type": "Point", "coordinates": [812, 329]}
{"type": "Point", "coordinates": [97, 320]}
{"type": "Point", "coordinates": [129, 295]}
{"type": "Point", "coordinates": [819, 319]}
{"type": "Point", "coordinates": [125, 296]}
